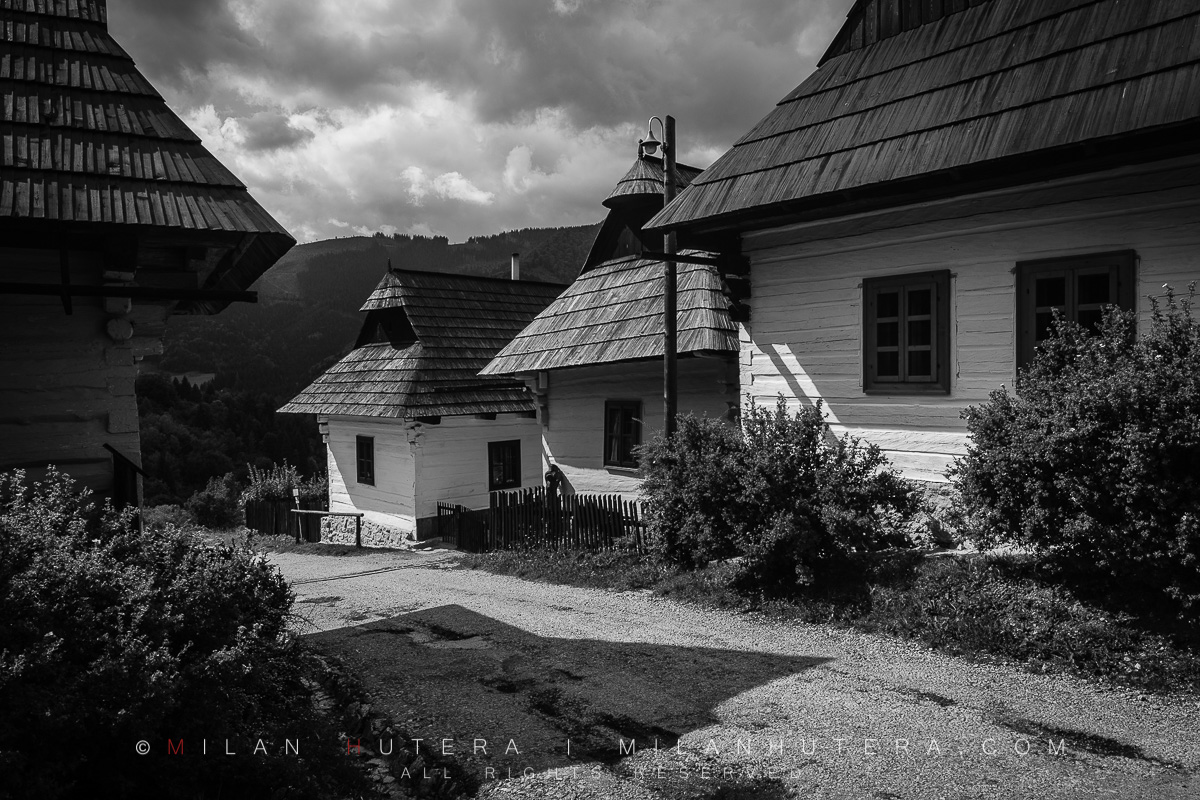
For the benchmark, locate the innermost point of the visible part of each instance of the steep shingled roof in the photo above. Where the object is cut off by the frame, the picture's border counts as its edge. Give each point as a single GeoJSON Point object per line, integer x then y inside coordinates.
{"type": "Point", "coordinates": [615, 313]}
{"type": "Point", "coordinates": [1006, 85]}
{"type": "Point", "coordinates": [426, 336]}
{"type": "Point", "coordinates": [86, 141]}
{"type": "Point", "coordinates": [647, 177]}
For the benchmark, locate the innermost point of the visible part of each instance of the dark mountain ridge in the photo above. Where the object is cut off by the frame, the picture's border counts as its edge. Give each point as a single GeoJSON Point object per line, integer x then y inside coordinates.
{"type": "Point", "coordinates": [307, 315]}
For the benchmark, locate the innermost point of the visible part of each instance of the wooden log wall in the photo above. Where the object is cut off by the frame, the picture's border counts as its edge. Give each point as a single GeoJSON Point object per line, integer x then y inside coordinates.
{"type": "Point", "coordinates": [66, 384]}
{"type": "Point", "coordinates": [574, 437]}
{"type": "Point", "coordinates": [452, 458]}
{"type": "Point", "coordinates": [389, 501]}
{"type": "Point", "coordinates": [805, 336]}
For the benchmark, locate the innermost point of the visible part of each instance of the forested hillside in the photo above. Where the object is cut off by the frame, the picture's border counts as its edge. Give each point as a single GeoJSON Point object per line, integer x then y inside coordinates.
{"type": "Point", "coordinates": [307, 315]}
{"type": "Point", "coordinates": [307, 318]}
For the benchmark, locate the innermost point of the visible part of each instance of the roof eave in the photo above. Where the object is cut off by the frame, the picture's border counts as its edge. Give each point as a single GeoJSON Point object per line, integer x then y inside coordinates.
{"type": "Point", "coordinates": [1095, 155]}
{"type": "Point", "coordinates": [532, 370]}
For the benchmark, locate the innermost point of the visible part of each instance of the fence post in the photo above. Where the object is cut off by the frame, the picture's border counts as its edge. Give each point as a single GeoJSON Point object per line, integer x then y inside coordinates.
{"type": "Point", "coordinates": [358, 531]}
{"type": "Point", "coordinates": [299, 517]}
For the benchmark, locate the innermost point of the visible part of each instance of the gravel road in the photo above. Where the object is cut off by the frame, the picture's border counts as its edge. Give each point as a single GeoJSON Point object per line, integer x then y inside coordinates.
{"type": "Point", "coordinates": [540, 689]}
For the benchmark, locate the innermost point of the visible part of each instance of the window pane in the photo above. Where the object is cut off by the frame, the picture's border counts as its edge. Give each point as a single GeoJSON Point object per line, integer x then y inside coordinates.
{"type": "Point", "coordinates": [920, 333]}
{"type": "Point", "coordinates": [887, 304]}
{"type": "Point", "coordinates": [920, 301]}
{"type": "Point", "coordinates": [614, 422]}
{"type": "Point", "coordinates": [1094, 289]}
{"type": "Point", "coordinates": [504, 465]}
{"type": "Point", "coordinates": [887, 334]}
{"type": "Point", "coordinates": [889, 365]}
{"type": "Point", "coordinates": [920, 364]}
{"type": "Point", "coordinates": [1090, 319]}
{"type": "Point", "coordinates": [1042, 326]}
{"type": "Point", "coordinates": [622, 432]}
{"type": "Point", "coordinates": [1050, 291]}
{"type": "Point", "coordinates": [365, 451]}
{"type": "Point", "coordinates": [628, 422]}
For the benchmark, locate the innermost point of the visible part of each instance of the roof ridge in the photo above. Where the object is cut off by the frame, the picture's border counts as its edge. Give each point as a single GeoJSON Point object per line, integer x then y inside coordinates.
{"type": "Point", "coordinates": [659, 161]}
{"type": "Point", "coordinates": [908, 97]}
{"type": "Point", "coordinates": [825, 154]}
{"type": "Point", "coordinates": [860, 77]}
{"type": "Point", "coordinates": [401, 270]}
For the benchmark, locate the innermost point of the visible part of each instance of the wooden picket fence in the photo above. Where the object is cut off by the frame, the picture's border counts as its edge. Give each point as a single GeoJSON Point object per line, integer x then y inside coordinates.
{"type": "Point", "coordinates": [528, 519]}
{"type": "Point", "coordinates": [274, 518]}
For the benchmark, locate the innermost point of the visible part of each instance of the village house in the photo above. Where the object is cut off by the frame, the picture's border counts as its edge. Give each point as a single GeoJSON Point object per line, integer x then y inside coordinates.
{"type": "Point", "coordinates": [407, 420]}
{"type": "Point", "coordinates": [951, 174]}
{"type": "Point", "coordinates": [113, 217]}
{"type": "Point", "coordinates": [594, 357]}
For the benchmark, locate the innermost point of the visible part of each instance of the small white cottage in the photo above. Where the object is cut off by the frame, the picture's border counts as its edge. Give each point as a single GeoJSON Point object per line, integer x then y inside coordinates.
{"type": "Point", "coordinates": [951, 174]}
{"type": "Point", "coordinates": [406, 419]}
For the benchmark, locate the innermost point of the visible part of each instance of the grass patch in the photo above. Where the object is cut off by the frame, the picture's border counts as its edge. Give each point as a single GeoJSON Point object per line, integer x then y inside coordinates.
{"type": "Point", "coordinates": [280, 544]}
{"type": "Point", "coordinates": [984, 607]}
{"type": "Point", "coordinates": [616, 570]}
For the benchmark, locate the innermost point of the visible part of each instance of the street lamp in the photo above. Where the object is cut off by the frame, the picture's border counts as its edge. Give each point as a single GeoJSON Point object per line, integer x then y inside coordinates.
{"type": "Point", "coordinates": [650, 146]}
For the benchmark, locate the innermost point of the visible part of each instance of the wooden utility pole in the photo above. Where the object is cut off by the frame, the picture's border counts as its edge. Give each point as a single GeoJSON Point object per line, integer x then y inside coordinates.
{"type": "Point", "coordinates": [670, 280]}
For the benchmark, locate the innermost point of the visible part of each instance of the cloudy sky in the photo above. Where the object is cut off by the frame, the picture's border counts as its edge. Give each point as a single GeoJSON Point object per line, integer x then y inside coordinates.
{"type": "Point", "coordinates": [462, 117]}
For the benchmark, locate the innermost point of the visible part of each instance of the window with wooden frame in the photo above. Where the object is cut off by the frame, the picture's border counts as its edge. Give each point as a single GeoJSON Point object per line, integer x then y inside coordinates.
{"type": "Point", "coordinates": [365, 450]}
{"type": "Point", "coordinates": [504, 465]}
{"type": "Point", "coordinates": [906, 333]}
{"type": "Point", "coordinates": [1079, 287]}
{"type": "Point", "coordinates": [622, 432]}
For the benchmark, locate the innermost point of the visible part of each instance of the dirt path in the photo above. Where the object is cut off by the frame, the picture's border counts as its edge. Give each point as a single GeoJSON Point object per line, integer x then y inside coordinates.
{"type": "Point", "coordinates": [508, 671]}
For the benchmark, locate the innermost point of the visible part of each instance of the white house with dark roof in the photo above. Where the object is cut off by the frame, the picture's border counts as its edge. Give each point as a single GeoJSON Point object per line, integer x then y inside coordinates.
{"type": "Point", "coordinates": [407, 420]}
{"type": "Point", "coordinates": [951, 174]}
{"type": "Point", "coordinates": [594, 357]}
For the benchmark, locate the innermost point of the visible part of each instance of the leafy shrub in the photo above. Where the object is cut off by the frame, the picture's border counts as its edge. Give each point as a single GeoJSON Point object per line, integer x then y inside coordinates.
{"type": "Point", "coordinates": [793, 501]}
{"type": "Point", "coordinates": [693, 489]}
{"type": "Point", "coordinates": [1096, 458]}
{"type": "Point", "coordinates": [159, 517]}
{"type": "Point", "coordinates": [216, 506]}
{"type": "Point", "coordinates": [276, 485]}
{"type": "Point", "coordinates": [999, 605]}
{"type": "Point", "coordinates": [108, 637]}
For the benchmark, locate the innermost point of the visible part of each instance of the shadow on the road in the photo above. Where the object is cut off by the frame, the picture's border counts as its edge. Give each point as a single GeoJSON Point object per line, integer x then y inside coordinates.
{"type": "Point", "coordinates": [510, 699]}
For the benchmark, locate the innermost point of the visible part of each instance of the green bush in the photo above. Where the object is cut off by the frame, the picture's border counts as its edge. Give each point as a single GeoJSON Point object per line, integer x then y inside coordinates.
{"type": "Point", "coordinates": [217, 506]}
{"type": "Point", "coordinates": [793, 501]}
{"type": "Point", "coordinates": [276, 485]}
{"type": "Point", "coordinates": [1096, 458]}
{"type": "Point", "coordinates": [1002, 606]}
{"type": "Point", "coordinates": [109, 637]}
{"type": "Point", "coordinates": [692, 488]}
{"type": "Point", "coordinates": [159, 517]}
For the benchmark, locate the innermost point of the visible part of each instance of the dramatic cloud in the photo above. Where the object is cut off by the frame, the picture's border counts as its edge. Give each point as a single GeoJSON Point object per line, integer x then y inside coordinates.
{"type": "Point", "coordinates": [462, 117]}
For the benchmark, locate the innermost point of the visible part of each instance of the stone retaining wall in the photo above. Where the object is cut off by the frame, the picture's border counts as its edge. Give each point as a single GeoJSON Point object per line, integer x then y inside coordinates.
{"type": "Point", "coordinates": [340, 530]}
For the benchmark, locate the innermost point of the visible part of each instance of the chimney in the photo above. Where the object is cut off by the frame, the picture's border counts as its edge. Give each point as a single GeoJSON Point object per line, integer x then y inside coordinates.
{"type": "Point", "coordinates": [516, 266]}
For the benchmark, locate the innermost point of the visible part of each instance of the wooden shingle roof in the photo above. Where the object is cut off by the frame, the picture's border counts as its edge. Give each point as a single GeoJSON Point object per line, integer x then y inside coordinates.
{"type": "Point", "coordinates": [439, 330]}
{"type": "Point", "coordinates": [647, 177]}
{"type": "Point", "coordinates": [87, 142]}
{"type": "Point", "coordinates": [996, 90]}
{"type": "Point", "coordinates": [615, 313]}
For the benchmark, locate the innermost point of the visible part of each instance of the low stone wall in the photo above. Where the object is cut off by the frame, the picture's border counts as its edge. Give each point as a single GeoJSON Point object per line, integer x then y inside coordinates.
{"type": "Point", "coordinates": [340, 530]}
